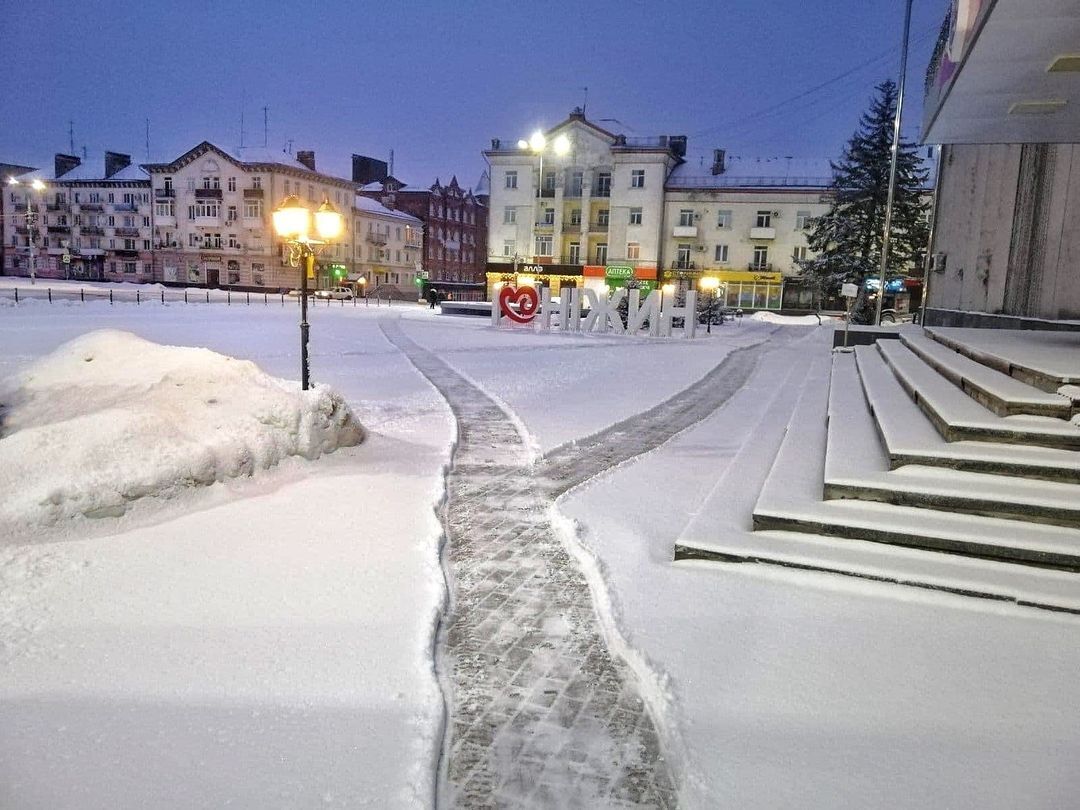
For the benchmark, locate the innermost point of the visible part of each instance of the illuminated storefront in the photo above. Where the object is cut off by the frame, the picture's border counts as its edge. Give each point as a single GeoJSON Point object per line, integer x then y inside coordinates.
{"type": "Point", "coordinates": [553, 276]}
{"type": "Point", "coordinates": [603, 278]}
{"type": "Point", "coordinates": [750, 289]}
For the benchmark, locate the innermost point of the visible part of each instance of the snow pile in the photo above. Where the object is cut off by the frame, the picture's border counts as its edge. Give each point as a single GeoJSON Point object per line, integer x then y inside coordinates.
{"type": "Point", "coordinates": [789, 320]}
{"type": "Point", "coordinates": [109, 418]}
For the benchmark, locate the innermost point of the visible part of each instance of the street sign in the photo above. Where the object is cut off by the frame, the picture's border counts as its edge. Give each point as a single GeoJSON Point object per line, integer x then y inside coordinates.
{"type": "Point", "coordinates": [850, 291]}
{"type": "Point", "coordinates": [618, 271]}
{"type": "Point", "coordinates": [425, 274]}
{"type": "Point", "coordinates": [66, 258]}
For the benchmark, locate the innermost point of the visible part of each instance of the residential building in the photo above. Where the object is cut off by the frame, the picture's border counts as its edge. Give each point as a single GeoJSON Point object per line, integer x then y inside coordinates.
{"type": "Point", "coordinates": [455, 227]}
{"type": "Point", "coordinates": [89, 223]}
{"type": "Point", "coordinates": [9, 217]}
{"type": "Point", "coordinates": [745, 222]}
{"type": "Point", "coordinates": [212, 217]}
{"type": "Point", "coordinates": [563, 216]}
{"type": "Point", "coordinates": [1006, 229]}
{"type": "Point", "coordinates": [388, 246]}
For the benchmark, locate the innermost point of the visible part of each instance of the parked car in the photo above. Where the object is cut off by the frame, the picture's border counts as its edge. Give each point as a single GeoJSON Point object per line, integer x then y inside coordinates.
{"type": "Point", "coordinates": [336, 293]}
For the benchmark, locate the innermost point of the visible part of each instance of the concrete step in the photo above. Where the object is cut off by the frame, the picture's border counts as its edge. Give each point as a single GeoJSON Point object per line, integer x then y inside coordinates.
{"type": "Point", "coordinates": [857, 467]}
{"type": "Point", "coordinates": [910, 438]}
{"type": "Point", "coordinates": [998, 392]}
{"type": "Point", "coordinates": [1044, 359]}
{"type": "Point", "coordinates": [791, 500]}
{"type": "Point", "coordinates": [957, 416]}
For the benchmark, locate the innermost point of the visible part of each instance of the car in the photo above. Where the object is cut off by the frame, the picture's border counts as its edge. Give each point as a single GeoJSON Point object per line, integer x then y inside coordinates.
{"type": "Point", "coordinates": [336, 293]}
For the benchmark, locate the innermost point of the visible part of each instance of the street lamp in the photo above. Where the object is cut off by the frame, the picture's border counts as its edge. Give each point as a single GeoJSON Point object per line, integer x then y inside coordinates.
{"type": "Point", "coordinates": [536, 144]}
{"type": "Point", "coordinates": [31, 219]}
{"type": "Point", "coordinates": [292, 222]}
{"type": "Point", "coordinates": [709, 284]}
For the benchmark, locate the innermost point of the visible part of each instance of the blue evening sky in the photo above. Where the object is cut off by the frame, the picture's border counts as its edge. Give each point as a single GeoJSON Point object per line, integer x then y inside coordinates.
{"type": "Point", "coordinates": [435, 81]}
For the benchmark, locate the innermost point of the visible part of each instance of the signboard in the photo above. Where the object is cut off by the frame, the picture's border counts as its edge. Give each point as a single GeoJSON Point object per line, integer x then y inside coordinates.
{"type": "Point", "coordinates": [754, 276]}
{"type": "Point", "coordinates": [618, 271]}
{"type": "Point", "coordinates": [66, 258]}
{"type": "Point", "coordinates": [849, 291]}
{"type": "Point", "coordinates": [425, 274]}
{"type": "Point", "coordinates": [525, 305]}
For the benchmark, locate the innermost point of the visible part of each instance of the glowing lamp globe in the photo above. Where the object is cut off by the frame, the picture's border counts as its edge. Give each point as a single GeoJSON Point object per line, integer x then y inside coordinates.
{"type": "Point", "coordinates": [562, 145]}
{"type": "Point", "coordinates": [523, 144]}
{"type": "Point", "coordinates": [708, 283]}
{"type": "Point", "coordinates": [292, 219]}
{"type": "Point", "coordinates": [537, 141]}
{"type": "Point", "coordinates": [328, 222]}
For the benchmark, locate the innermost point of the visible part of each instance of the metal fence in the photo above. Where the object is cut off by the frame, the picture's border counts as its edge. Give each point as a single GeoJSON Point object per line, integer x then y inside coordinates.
{"type": "Point", "coordinates": [178, 296]}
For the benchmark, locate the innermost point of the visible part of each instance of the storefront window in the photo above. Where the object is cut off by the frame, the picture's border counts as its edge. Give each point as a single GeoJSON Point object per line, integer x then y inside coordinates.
{"type": "Point", "coordinates": [760, 295]}
{"type": "Point", "coordinates": [732, 299]}
{"type": "Point", "coordinates": [746, 297]}
{"type": "Point", "coordinates": [774, 296]}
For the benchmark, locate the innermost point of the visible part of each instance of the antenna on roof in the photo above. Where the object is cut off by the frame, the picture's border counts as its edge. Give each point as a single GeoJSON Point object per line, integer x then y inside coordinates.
{"type": "Point", "coordinates": [71, 137]}
{"type": "Point", "coordinates": [391, 167]}
{"type": "Point", "coordinates": [288, 146]}
{"type": "Point", "coordinates": [585, 103]}
{"type": "Point", "coordinates": [266, 125]}
{"type": "Point", "coordinates": [241, 120]}
{"type": "Point", "coordinates": [147, 140]}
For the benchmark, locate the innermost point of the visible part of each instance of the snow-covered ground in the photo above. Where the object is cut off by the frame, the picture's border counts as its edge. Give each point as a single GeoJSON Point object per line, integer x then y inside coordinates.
{"type": "Point", "coordinates": [266, 642]}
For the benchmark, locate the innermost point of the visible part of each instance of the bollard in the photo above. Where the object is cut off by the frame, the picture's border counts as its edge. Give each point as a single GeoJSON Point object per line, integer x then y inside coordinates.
{"type": "Point", "coordinates": [138, 298]}
{"type": "Point", "coordinates": [16, 295]}
{"type": "Point", "coordinates": [248, 298]}
{"type": "Point", "coordinates": [49, 291]}
{"type": "Point", "coordinates": [266, 299]}
{"type": "Point", "coordinates": [163, 296]}
{"type": "Point", "coordinates": [283, 299]}
{"type": "Point", "coordinates": [208, 296]}
{"type": "Point", "coordinates": [185, 295]}
{"type": "Point", "coordinates": [110, 297]}
{"type": "Point", "coordinates": [228, 297]}
{"type": "Point", "coordinates": [82, 297]}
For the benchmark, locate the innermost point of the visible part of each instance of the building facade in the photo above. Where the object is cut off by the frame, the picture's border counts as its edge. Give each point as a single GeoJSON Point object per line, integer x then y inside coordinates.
{"type": "Point", "coordinates": [388, 248]}
{"type": "Point", "coordinates": [86, 223]}
{"type": "Point", "coordinates": [212, 217]}
{"type": "Point", "coordinates": [588, 198]}
{"type": "Point", "coordinates": [455, 224]}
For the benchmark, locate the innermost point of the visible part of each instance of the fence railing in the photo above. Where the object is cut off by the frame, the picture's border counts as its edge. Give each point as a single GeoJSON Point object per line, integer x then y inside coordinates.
{"type": "Point", "coordinates": [189, 295]}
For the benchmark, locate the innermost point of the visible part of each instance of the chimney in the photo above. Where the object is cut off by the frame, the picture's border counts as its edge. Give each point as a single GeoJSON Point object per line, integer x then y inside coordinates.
{"type": "Point", "coordinates": [577, 114]}
{"type": "Point", "coordinates": [307, 157]}
{"type": "Point", "coordinates": [114, 162]}
{"type": "Point", "coordinates": [368, 170]}
{"type": "Point", "coordinates": [718, 161]}
{"type": "Point", "coordinates": [62, 164]}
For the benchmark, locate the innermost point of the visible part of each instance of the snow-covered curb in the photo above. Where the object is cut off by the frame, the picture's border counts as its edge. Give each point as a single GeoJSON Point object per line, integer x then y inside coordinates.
{"type": "Point", "coordinates": [109, 418]}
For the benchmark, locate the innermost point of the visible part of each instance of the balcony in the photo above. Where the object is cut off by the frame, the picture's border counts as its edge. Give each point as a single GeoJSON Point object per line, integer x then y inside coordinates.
{"type": "Point", "coordinates": [545, 227]}
{"type": "Point", "coordinates": [92, 230]}
{"type": "Point", "coordinates": [545, 192]}
{"type": "Point", "coordinates": [683, 264]}
{"type": "Point", "coordinates": [253, 193]}
{"type": "Point", "coordinates": [210, 246]}
{"type": "Point", "coordinates": [165, 220]}
{"type": "Point", "coordinates": [57, 228]}
{"type": "Point", "coordinates": [689, 231]}
{"type": "Point", "coordinates": [376, 238]}
{"type": "Point", "coordinates": [571, 227]}
{"type": "Point", "coordinates": [22, 230]}
{"type": "Point", "coordinates": [414, 242]}
{"type": "Point", "coordinates": [759, 267]}
{"type": "Point", "coordinates": [601, 191]}
{"type": "Point", "coordinates": [208, 194]}
{"type": "Point", "coordinates": [130, 233]}
{"type": "Point", "coordinates": [91, 206]}
{"type": "Point", "coordinates": [573, 192]}
{"type": "Point", "coordinates": [126, 254]}
{"type": "Point", "coordinates": [164, 193]}
{"type": "Point", "coordinates": [55, 207]}
{"type": "Point", "coordinates": [598, 227]}
{"type": "Point", "coordinates": [124, 207]}
{"type": "Point", "coordinates": [763, 233]}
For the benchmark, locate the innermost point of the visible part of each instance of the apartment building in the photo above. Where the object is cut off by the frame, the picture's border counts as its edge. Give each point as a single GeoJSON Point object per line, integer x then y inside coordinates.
{"type": "Point", "coordinates": [745, 222]}
{"type": "Point", "coordinates": [86, 223]}
{"type": "Point", "coordinates": [576, 202]}
{"type": "Point", "coordinates": [212, 223]}
{"type": "Point", "coordinates": [387, 248]}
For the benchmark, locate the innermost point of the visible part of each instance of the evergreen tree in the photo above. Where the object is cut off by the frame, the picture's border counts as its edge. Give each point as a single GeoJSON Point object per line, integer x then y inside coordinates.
{"type": "Point", "coordinates": [848, 238]}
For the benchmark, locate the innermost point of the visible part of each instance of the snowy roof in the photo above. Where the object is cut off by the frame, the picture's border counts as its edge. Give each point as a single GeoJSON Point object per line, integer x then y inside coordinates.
{"type": "Point", "coordinates": [483, 185]}
{"type": "Point", "coordinates": [88, 171]}
{"type": "Point", "coordinates": [262, 154]}
{"type": "Point", "coordinates": [751, 172]}
{"type": "Point", "coordinates": [371, 206]}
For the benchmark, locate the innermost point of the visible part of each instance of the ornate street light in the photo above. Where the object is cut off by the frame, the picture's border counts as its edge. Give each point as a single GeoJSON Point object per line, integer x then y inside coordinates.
{"type": "Point", "coordinates": [709, 284]}
{"type": "Point", "coordinates": [292, 222]}
{"type": "Point", "coordinates": [537, 144]}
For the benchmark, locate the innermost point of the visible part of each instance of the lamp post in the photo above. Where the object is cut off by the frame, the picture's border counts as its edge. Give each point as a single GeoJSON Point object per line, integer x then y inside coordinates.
{"type": "Point", "coordinates": [31, 219]}
{"type": "Point", "coordinates": [710, 285]}
{"type": "Point", "coordinates": [292, 222]}
{"type": "Point", "coordinates": [537, 144]}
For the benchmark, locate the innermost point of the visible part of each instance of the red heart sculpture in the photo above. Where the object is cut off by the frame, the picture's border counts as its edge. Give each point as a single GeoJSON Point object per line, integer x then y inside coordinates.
{"type": "Point", "coordinates": [526, 299]}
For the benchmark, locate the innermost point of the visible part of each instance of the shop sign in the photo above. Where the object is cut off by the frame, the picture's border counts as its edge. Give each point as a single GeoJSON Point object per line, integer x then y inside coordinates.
{"type": "Point", "coordinates": [618, 271]}
{"type": "Point", "coordinates": [583, 310]}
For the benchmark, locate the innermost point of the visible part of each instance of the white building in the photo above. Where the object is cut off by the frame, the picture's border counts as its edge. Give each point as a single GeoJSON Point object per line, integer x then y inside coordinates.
{"type": "Point", "coordinates": [87, 222]}
{"type": "Point", "coordinates": [588, 200]}
{"type": "Point", "coordinates": [744, 221]}
{"type": "Point", "coordinates": [212, 221]}
{"type": "Point", "coordinates": [387, 249]}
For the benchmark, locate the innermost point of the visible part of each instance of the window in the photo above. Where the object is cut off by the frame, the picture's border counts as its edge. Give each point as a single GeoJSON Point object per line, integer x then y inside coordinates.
{"type": "Point", "coordinates": [602, 216]}
{"type": "Point", "coordinates": [194, 240]}
{"type": "Point", "coordinates": [112, 221]}
{"type": "Point", "coordinates": [207, 208]}
{"type": "Point", "coordinates": [635, 216]}
{"type": "Point", "coordinates": [723, 219]}
{"type": "Point", "coordinates": [802, 220]}
{"type": "Point", "coordinates": [601, 253]}
{"type": "Point", "coordinates": [637, 178]}
{"type": "Point", "coordinates": [686, 217]}
{"type": "Point", "coordinates": [721, 254]}
{"type": "Point", "coordinates": [799, 254]}
{"type": "Point", "coordinates": [764, 219]}
{"type": "Point", "coordinates": [95, 197]}
{"type": "Point", "coordinates": [129, 267]}
{"type": "Point", "coordinates": [146, 222]}
{"type": "Point", "coordinates": [603, 184]}
{"type": "Point", "coordinates": [575, 253]}
{"type": "Point", "coordinates": [511, 179]}
{"type": "Point", "coordinates": [168, 183]}
{"type": "Point", "coordinates": [212, 240]}
{"type": "Point", "coordinates": [397, 233]}
{"type": "Point", "coordinates": [287, 188]}
{"type": "Point", "coordinates": [577, 180]}
{"type": "Point", "coordinates": [509, 215]}
{"type": "Point", "coordinates": [256, 182]}
{"type": "Point", "coordinates": [549, 216]}
{"type": "Point", "coordinates": [253, 209]}
{"type": "Point", "coordinates": [231, 216]}
{"type": "Point", "coordinates": [145, 244]}
{"type": "Point", "coordinates": [191, 184]}
{"type": "Point", "coordinates": [232, 184]}
{"type": "Point", "coordinates": [633, 250]}
{"type": "Point", "coordinates": [129, 222]}
{"type": "Point", "coordinates": [549, 183]}
{"type": "Point", "coordinates": [509, 247]}
{"type": "Point", "coordinates": [311, 193]}
{"type": "Point", "coordinates": [575, 216]}
{"type": "Point", "coordinates": [761, 256]}
{"type": "Point", "coordinates": [543, 245]}
{"type": "Point", "coordinates": [232, 241]}
{"type": "Point", "coordinates": [683, 262]}
{"type": "Point", "coordinates": [112, 197]}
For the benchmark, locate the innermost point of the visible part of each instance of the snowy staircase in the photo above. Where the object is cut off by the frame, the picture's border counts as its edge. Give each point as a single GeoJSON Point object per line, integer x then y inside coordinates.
{"type": "Point", "coordinates": [917, 463]}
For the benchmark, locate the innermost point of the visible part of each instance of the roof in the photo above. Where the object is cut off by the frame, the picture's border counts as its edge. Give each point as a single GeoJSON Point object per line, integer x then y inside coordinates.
{"type": "Point", "coordinates": [248, 156]}
{"type": "Point", "coordinates": [89, 171]}
{"type": "Point", "coordinates": [751, 172]}
{"type": "Point", "coordinates": [371, 206]}
{"type": "Point", "coordinates": [483, 185]}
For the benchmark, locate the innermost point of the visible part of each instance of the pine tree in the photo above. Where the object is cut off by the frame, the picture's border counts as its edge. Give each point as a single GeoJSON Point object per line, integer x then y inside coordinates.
{"type": "Point", "coordinates": [848, 238]}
